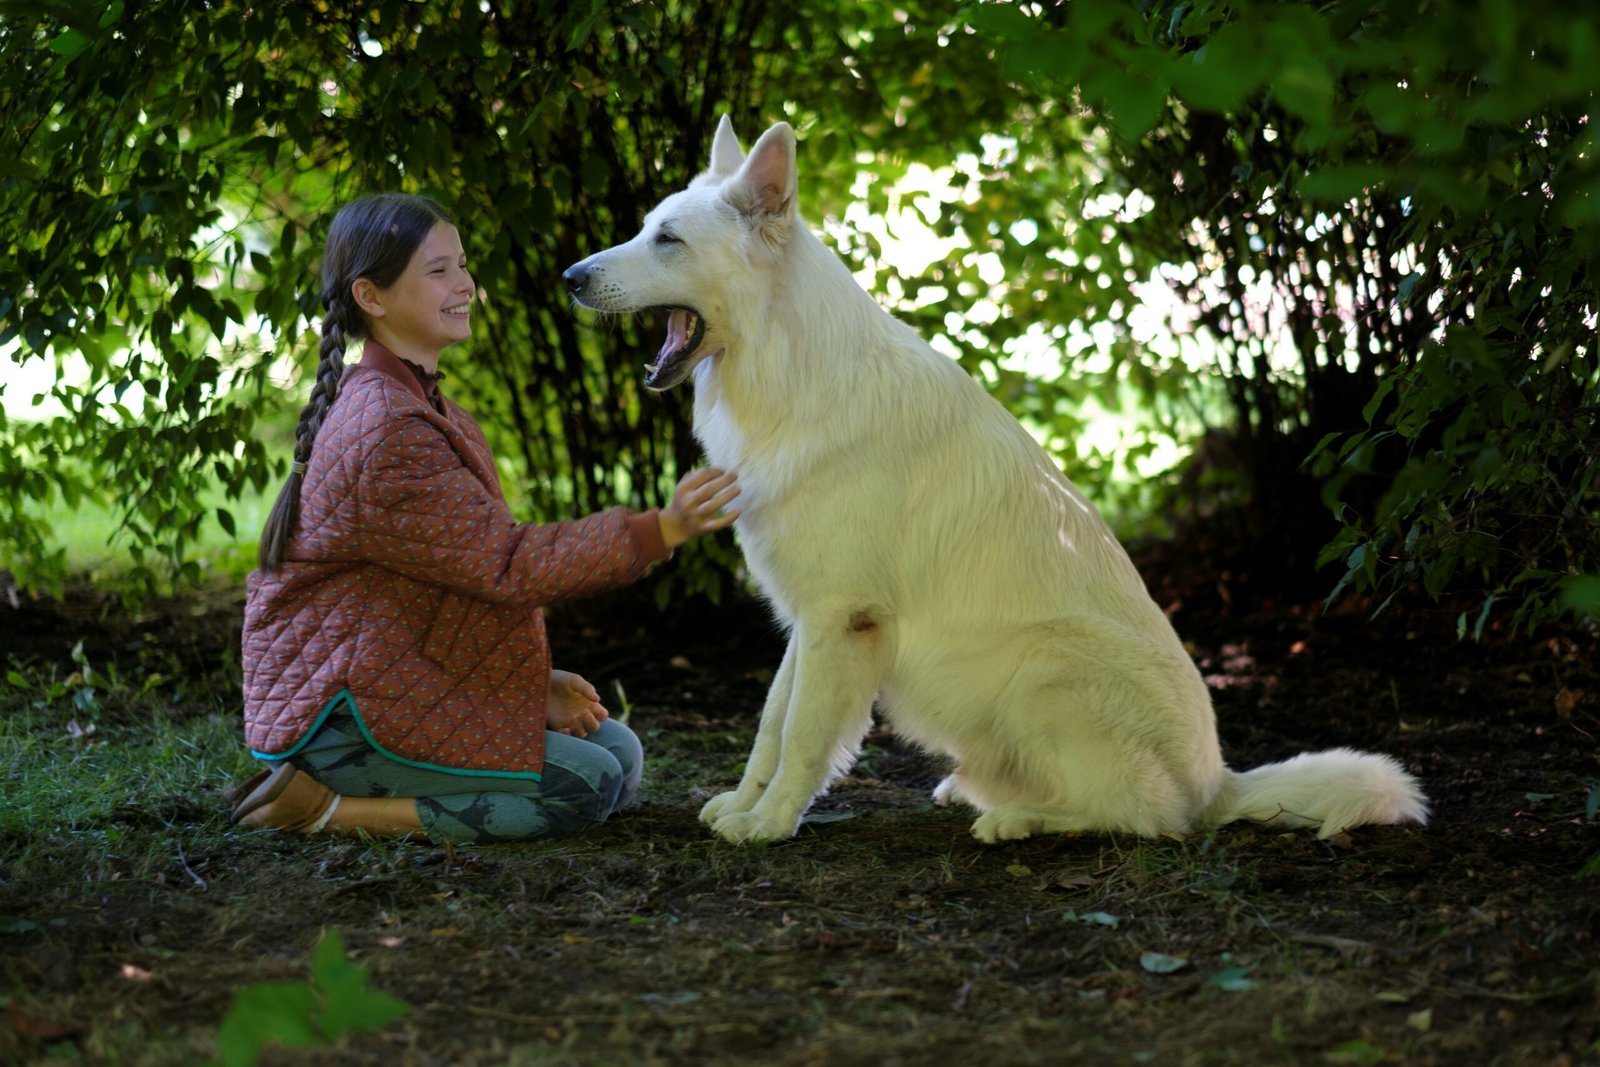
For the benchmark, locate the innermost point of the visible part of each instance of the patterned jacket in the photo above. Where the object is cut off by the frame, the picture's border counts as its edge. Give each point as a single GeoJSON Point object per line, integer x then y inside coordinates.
{"type": "Point", "coordinates": [409, 592]}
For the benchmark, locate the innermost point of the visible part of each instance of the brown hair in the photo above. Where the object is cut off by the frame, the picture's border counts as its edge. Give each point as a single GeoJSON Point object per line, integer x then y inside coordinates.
{"type": "Point", "coordinates": [372, 238]}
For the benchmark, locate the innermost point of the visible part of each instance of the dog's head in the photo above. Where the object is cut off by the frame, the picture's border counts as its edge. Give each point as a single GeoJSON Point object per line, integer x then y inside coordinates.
{"type": "Point", "coordinates": [700, 253]}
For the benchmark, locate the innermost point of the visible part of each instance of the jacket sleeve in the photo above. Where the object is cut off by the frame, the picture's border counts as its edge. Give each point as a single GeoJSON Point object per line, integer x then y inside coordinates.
{"type": "Point", "coordinates": [420, 511]}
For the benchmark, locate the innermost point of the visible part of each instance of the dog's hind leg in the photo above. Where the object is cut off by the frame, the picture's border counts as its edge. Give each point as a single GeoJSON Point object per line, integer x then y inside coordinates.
{"type": "Point", "coordinates": [837, 668]}
{"type": "Point", "coordinates": [948, 791]}
{"type": "Point", "coordinates": [1092, 733]}
{"type": "Point", "coordinates": [763, 761]}
{"type": "Point", "coordinates": [1010, 822]}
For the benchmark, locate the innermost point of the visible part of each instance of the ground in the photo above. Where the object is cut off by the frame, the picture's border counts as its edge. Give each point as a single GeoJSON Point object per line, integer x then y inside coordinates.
{"type": "Point", "coordinates": [883, 934]}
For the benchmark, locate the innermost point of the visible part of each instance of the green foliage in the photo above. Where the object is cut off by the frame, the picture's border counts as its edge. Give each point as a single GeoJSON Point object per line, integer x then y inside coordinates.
{"type": "Point", "coordinates": [1370, 231]}
{"type": "Point", "coordinates": [172, 169]}
{"type": "Point", "coordinates": [1391, 216]}
{"type": "Point", "coordinates": [297, 1015]}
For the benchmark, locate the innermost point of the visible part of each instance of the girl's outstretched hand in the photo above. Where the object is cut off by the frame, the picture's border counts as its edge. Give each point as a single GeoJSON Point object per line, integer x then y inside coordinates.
{"type": "Point", "coordinates": [699, 505]}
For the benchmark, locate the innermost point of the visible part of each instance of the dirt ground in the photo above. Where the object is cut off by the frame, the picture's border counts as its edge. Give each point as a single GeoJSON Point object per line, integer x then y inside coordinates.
{"type": "Point", "coordinates": [884, 934]}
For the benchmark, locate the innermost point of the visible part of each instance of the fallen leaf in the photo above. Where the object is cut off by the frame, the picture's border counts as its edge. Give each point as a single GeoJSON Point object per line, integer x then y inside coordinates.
{"type": "Point", "coordinates": [814, 818]}
{"type": "Point", "coordinates": [1421, 1020]}
{"type": "Point", "coordinates": [1161, 963]}
{"type": "Point", "coordinates": [1064, 879]}
{"type": "Point", "coordinates": [1232, 980]}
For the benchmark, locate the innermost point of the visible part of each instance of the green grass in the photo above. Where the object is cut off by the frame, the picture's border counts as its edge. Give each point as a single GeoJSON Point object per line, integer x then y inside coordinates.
{"type": "Point", "coordinates": [107, 771]}
{"type": "Point", "coordinates": [69, 775]}
{"type": "Point", "coordinates": [108, 799]}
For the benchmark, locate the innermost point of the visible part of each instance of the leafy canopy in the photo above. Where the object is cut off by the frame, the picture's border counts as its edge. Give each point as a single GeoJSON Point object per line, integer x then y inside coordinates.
{"type": "Point", "coordinates": [1388, 220]}
{"type": "Point", "coordinates": [1347, 248]}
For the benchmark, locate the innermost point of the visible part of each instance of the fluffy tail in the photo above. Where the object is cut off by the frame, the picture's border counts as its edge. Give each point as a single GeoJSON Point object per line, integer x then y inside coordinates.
{"type": "Point", "coordinates": [1331, 790]}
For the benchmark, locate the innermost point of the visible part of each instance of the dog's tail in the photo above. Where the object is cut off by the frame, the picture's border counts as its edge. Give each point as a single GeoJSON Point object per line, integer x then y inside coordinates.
{"type": "Point", "coordinates": [1332, 790]}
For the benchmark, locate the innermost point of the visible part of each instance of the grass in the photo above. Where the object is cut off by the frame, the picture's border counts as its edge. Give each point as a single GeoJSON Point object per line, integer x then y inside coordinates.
{"type": "Point", "coordinates": [100, 778]}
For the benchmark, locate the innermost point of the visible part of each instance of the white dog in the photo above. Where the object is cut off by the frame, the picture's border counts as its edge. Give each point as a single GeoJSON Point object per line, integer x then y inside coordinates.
{"type": "Point", "coordinates": [924, 552]}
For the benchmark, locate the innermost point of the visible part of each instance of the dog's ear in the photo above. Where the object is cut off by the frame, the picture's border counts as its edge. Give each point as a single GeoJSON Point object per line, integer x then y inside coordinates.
{"type": "Point", "coordinates": [764, 188]}
{"type": "Point", "coordinates": [726, 155]}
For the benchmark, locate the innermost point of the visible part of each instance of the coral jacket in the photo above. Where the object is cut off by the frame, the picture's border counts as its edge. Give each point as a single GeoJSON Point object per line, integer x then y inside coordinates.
{"type": "Point", "coordinates": [409, 592]}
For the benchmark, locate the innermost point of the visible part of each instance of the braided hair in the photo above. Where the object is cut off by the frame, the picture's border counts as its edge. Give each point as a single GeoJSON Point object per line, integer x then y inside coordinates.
{"type": "Point", "coordinates": [372, 238]}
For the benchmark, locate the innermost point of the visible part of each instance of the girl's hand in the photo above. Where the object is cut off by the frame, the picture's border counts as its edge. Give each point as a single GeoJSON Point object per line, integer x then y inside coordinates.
{"type": "Point", "coordinates": [575, 707]}
{"type": "Point", "coordinates": [699, 506]}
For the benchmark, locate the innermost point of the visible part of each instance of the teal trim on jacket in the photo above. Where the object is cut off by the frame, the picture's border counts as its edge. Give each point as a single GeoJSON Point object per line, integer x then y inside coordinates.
{"type": "Point", "coordinates": [344, 696]}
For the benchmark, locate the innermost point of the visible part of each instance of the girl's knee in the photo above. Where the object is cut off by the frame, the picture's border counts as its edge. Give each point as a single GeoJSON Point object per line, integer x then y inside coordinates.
{"type": "Point", "coordinates": [625, 748]}
{"type": "Point", "coordinates": [591, 778]}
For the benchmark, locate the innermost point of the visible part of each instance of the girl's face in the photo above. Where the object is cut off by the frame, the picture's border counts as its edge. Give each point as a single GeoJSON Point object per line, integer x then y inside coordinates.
{"type": "Point", "coordinates": [430, 305]}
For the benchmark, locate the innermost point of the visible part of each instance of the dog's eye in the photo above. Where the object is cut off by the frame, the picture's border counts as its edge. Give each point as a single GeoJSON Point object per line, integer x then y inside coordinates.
{"type": "Point", "coordinates": [665, 238]}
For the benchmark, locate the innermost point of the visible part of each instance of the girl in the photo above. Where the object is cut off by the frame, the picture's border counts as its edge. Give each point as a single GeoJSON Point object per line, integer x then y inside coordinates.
{"type": "Point", "coordinates": [396, 672]}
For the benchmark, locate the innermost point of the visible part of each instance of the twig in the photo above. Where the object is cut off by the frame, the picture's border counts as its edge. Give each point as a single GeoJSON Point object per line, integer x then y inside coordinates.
{"type": "Point", "coordinates": [1519, 998]}
{"type": "Point", "coordinates": [199, 881]}
{"type": "Point", "coordinates": [556, 1019]}
{"type": "Point", "coordinates": [1342, 944]}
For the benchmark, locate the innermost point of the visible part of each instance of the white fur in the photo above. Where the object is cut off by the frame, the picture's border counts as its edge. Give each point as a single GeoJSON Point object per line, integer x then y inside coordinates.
{"type": "Point", "coordinates": [923, 551]}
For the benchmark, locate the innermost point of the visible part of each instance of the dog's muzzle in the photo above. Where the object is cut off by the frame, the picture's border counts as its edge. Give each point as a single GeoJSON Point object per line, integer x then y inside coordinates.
{"type": "Point", "coordinates": [686, 328]}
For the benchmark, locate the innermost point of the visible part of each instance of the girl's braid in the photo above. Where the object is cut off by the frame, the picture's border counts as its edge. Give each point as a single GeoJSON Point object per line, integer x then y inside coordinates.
{"type": "Point", "coordinates": [330, 369]}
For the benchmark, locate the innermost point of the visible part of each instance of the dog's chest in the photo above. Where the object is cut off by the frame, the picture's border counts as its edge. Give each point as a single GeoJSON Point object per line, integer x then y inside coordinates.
{"type": "Point", "coordinates": [804, 493]}
{"type": "Point", "coordinates": [720, 437]}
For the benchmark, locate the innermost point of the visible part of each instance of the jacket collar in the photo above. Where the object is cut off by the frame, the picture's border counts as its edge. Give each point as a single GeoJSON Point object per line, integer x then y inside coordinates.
{"type": "Point", "coordinates": [380, 359]}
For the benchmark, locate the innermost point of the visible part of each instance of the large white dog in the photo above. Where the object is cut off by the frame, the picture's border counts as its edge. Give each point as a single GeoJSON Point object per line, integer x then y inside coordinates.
{"type": "Point", "coordinates": [924, 552]}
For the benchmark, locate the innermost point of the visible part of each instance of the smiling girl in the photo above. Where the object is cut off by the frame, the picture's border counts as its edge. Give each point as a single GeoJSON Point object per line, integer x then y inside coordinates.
{"type": "Point", "coordinates": [397, 678]}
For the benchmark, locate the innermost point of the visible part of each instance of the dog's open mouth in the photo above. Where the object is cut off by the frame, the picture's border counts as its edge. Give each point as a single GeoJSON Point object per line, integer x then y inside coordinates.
{"type": "Point", "coordinates": [685, 330]}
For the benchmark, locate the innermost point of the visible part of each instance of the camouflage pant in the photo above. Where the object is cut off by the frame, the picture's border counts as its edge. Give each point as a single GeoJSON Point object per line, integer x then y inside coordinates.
{"type": "Point", "coordinates": [582, 783]}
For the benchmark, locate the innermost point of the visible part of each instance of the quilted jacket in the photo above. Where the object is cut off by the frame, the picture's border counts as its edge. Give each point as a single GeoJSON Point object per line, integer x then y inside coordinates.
{"type": "Point", "coordinates": [409, 592]}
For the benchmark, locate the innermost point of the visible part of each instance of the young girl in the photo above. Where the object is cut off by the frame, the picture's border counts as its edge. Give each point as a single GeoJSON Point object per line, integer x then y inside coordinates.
{"type": "Point", "coordinates": [396, 672]}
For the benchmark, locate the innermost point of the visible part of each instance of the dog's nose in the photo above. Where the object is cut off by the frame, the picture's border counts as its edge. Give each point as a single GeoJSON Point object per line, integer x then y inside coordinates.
{"type": "Point", "coordinates": [575, 276]}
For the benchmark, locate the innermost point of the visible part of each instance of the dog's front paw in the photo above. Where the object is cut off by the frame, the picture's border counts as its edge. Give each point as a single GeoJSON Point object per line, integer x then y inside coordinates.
{"type": "Point", "coordinates": [719, 805]}
{"type": "Point", "coordinates": [752, 828]}
{"type": "Point", "coordinates": [1002, 824]}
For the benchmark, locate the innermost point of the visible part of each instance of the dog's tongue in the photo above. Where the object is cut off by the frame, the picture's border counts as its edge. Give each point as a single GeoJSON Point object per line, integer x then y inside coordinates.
{"type": "Point", "coordinates": [677, 333]}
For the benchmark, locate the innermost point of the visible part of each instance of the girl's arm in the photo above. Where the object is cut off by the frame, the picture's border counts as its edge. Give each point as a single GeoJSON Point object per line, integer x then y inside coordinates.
{"type": "Point", "coordinates": [419, 510]}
